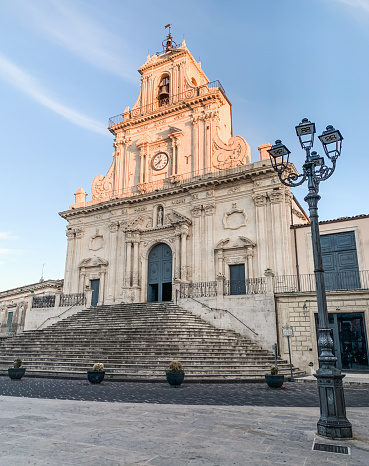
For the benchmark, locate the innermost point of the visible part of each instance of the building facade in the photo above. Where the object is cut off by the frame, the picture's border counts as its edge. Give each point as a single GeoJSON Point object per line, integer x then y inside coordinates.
{"type": "Point", "coordinates": [181, 202]}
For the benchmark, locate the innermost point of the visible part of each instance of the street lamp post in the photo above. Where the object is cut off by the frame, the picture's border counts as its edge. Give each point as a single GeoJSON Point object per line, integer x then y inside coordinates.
{"type": "Point", "coordinates": [333, 422]}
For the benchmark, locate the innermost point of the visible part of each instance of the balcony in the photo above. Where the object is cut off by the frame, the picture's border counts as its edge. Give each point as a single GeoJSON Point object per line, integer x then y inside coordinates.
{"type": "Point", "coordinates": [334, 281]}
{"type": "Point", "coordinates": [172, 100]}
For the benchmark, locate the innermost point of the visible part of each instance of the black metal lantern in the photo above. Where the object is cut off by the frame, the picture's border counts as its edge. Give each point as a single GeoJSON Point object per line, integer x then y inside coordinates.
{"type": "Point", "coordinates": [331, 140]}
{"type": "Point", "coordinates": [277, 153]}
{"type": "Point", "coordinates": [305, 131]}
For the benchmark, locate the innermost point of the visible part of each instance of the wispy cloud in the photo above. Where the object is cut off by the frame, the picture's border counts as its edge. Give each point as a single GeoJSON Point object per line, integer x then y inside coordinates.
{"type": "Point", "coordinates": [7, 235]}
{"type": "Point", "coordinates": [361, 4]}
{"type": "Point", "coordinates": [83, 36]}
{"type": "Point", "coordinates": [7, 251]}
{"type": "Point", "coordinates": [26, 83]}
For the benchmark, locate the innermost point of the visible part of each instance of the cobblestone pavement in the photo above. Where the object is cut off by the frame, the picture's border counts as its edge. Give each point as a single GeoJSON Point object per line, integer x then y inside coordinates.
{"type": "Point", "coordinates": [243, 394]}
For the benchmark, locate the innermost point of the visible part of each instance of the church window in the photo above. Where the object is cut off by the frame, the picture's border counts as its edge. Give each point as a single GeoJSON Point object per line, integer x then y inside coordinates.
{"type": "Point", "coordinates": [164, 91]}
{"type": "Point", "coordinates": [193, 80]}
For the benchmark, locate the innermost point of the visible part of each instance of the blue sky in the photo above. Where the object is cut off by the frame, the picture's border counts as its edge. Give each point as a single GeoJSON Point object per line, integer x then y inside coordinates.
{"type": "Point", "coordinates": [67, 66]}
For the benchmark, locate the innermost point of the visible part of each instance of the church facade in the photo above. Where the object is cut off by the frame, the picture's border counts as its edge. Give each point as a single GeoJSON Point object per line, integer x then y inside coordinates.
{"type": "Point", "coordinates": [182, 202]}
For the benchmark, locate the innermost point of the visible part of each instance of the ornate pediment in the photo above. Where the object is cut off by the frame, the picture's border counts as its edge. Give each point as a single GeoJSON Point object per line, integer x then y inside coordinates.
{"type": "Point", "coordinates": [93, 262]}
{"type": "Point", "coordinates": [239, 242]}
{"type": "Point", "coordinates": [174, 218]}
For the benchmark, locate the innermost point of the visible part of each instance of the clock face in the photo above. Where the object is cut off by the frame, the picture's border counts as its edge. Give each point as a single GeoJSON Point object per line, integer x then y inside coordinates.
{"type": "Point", "coordinates": [160, 161]}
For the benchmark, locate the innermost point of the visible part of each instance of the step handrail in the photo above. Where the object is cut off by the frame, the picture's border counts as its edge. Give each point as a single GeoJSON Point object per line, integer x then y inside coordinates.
{"type": "Point", "coordinates": [69, 308]}
{"type": "Point", "coordinates": [216, 309]}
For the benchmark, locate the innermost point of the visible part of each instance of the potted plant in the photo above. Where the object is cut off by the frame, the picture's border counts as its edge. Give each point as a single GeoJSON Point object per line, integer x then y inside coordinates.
{"type": "Point", "coordinates": [16, 372]}
{"type": "Point", "coordinates": [175, 374]}
{"type": "Point", "coordinates": [273, 379]}
{"type": "Point", "coordinates": [97, 374]}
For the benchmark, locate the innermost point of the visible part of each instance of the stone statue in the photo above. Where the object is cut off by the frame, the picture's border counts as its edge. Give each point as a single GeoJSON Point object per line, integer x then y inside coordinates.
{"type": "Point", "coordinates": [160, 216]}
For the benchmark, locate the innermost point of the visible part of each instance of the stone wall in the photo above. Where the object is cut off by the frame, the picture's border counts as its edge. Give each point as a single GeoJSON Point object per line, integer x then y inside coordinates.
{"type": "Point", "coordinates": [298, 311]}
{"type": "Point", "coordinates": [256, 311]}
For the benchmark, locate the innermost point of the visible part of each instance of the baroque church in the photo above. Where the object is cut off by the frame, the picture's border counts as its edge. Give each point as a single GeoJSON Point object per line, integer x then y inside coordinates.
{"type": "Point", "coordinates": [181, 202]}
{"type": "Point", "coordinates": [184, 216]}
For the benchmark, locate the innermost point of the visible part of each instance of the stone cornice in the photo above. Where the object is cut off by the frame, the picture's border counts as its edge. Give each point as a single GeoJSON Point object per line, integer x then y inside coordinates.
{"type": "Point", "coordinates": [216, 95]}
{"type": "Point", "coordinates": [250, 171]}
{"type": "Point", "coordinates": [34, 286]}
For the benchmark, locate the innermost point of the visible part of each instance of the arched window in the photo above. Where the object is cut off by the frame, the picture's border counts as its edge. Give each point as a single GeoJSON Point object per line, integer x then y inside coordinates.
{"type": "Point", "coordinates": [164, 91]}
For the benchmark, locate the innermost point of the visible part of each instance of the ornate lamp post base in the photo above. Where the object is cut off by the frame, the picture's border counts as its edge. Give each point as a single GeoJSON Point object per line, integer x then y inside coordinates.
{"type": "Point", "coordinates": [333, 422]}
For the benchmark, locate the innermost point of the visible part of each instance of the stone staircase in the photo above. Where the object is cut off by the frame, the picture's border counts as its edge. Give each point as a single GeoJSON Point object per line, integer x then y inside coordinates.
{"type": "Point", "coordinates": [137, 342]}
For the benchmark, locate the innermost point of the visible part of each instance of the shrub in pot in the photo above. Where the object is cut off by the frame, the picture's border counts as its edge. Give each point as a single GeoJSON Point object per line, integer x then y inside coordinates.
{"type": "Point", "coordinates": [274, 380]}
{"type": "Point", "coordinates": [175, 374]}
{"type": "Point", "coordinates": [16, 372]}
{"type": "Point", "coordinates": [97, 374]}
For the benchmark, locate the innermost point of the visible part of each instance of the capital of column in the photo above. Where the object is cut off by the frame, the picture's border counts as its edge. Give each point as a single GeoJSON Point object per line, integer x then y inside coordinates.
{"type": "Point", "coordinates": [70, 234]}
{"type": "Point", "coordinates": [78, 232]}
{"type": "Point", "coordinates": [259, 200]}
{"type": "Point", "coordinates": [209, 209]}
{"type": "Point", "coordinates": [114, 227]}
{"type": "Point", "coordinates": [196, 211]}
{"type": "Point", "coordinates": [276, 197]}
{"type": "Point", "coordinates": [184, 230]}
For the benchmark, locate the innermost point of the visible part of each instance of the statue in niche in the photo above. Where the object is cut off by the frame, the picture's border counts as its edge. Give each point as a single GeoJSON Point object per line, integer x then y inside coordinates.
{"type": "Point", "coordinates": [160, 216]}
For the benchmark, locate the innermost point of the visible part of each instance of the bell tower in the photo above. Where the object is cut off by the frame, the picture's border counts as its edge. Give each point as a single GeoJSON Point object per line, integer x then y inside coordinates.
{"type": "Point", "coordinates": [179, 127]}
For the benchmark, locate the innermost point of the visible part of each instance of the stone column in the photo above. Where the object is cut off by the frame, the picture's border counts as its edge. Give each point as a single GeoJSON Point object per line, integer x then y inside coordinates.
{"type": "Point", "coordinates": [184, 234]}
{"type": "Point", "coordinates": [195, 148]}
{"type": "Point", "coordinates": [76, 260]}
{"type": "Point", "coordinates": [220, 257]}
{"type": "Point", "coordinates": [135, 275]}
{"type": "Point", "coordinates": [209, 242]}
{"type": "Point", "coordinates": [121, 260]}
{"type": "Point", "coordinates": [81, 286]}
{"type": "Point", "coordinates": [69, 260]}
{"type": "Point", "coordinates": [113, 226]}
{"type": "Point", "coordinates": [196, 241]}
{"type": "Point", "coordinates": [260, 202]}
{"type": "Point", "coordinates": [280, 246]}
{"type": "Point", "coordinates": [128, 274]}
{"type": "Point", "coordinates": [249, 254]}
{"type": "Point", "coordinates": [177, 266]}
{"type": "Point", "coordinates": [102, 287]}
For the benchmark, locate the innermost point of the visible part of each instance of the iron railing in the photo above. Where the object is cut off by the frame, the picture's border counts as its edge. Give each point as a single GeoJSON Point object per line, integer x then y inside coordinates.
{"type": "Point", "coordinates": [73, 299]}
{"type": "Point", "coordinates": [172, 100]}
{"type": "Point", "coordinates": [242, 287]}
{"type": "Point", "coordinates": [43, 301]}
{"type": "Point", "coordinates": [198, 290]}
{"type": "Point", "coordinates": [184, 293]}
{"type": "Point", "coordinates": [334, 281]}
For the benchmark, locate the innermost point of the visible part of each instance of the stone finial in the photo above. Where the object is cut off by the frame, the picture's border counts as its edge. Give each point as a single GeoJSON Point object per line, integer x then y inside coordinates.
{"type": "Point", "coordinates": [80, 197]}
{"type": "Point", "coordinates": [264, 155]}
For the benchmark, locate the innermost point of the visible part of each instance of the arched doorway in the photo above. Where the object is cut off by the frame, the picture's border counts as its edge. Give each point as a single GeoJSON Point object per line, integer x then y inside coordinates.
{"type": "Point", "coordinates": [160, 274]}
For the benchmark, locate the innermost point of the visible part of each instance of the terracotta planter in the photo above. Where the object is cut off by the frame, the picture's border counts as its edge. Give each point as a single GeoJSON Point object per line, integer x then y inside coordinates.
{"type": "Point", "coordinates": [175, 379]}
{"type": "Point", "coordinates": [95, 377]}
{"type": "Point", "coordinates": [274, 381]}
{"type": "Point", "coordinates": [16, 373]}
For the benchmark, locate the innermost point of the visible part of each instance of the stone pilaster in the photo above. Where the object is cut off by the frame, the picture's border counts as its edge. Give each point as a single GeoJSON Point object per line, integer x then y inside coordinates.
{"type": "Point", "coordinates": [184, 234]}
{"type": "Point", "coordinates": [135, 273]}
{"type": "Point", "coordinates": [260, 201]}
{"type": "Point", "coordinates": [209, 271]}
{"type": "Point", "coordinates": [196, 241]}
{"type": "Point", "coordinates": [113, 248]}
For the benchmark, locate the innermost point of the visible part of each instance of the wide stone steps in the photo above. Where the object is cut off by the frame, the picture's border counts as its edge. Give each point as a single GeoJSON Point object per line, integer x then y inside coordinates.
{"type": "Point", "coordinates": [137, 342]}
